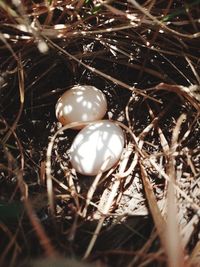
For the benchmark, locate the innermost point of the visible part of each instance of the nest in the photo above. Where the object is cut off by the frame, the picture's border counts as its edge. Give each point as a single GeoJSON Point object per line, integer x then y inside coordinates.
{"type": "Point", "coordinates": [146, 62]}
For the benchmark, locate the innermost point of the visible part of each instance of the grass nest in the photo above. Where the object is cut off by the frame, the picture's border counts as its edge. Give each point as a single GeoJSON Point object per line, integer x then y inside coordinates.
{"type": "Point", "coordinates": [145, 58]}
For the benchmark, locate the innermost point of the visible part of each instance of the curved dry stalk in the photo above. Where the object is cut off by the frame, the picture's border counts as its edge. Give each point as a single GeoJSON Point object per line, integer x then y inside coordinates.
{"type": "Point", "coordinates": [182, 91]}
{"type": "Point", "coordinates": [197, 76]}
{"type": "Point", "coordinates": [48, 164]}
{"type": "Point", "coordinates": [48, 161]}
{"type": "Point", "coordinates": [21, 90]}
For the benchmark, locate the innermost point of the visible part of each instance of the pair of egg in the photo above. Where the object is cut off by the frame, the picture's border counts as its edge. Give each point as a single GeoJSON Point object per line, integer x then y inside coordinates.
{"type": "Point", "coordinates": [99, 145]}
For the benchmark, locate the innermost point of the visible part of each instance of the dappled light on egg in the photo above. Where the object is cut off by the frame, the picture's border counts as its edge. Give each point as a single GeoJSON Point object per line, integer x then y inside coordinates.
{"type": "Point", "coordinates": [81, 103]}
{"type": "Point", "coordinates": [98, 144]}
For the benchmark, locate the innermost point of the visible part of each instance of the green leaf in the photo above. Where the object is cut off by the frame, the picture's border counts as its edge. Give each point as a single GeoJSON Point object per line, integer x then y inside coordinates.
{"type": "Point", "coordinates": [180, 11]}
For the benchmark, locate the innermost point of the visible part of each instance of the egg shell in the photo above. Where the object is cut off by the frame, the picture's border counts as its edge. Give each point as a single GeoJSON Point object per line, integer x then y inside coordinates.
{"type": "Point", "coordinates": [97, 144]}
{"type": "Point", "coordinates": [81, 103]}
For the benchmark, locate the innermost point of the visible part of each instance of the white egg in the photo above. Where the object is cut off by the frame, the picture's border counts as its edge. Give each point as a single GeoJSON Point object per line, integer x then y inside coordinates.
{"type": "Point", "coordinates": [81, 103]}
{"type": "Point", "coordinates": [98, 143]}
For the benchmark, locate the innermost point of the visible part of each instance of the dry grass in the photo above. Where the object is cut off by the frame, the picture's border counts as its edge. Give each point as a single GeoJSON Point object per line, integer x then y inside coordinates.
{"type": "Point", "coordinates": [145, 58]}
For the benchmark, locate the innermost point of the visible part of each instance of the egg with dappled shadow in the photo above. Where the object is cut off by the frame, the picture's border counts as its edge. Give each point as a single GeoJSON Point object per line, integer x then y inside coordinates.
{"type": "Point", "coordinates": [81, 103]}
{"type": "Point", "coordinates": [97, 146]}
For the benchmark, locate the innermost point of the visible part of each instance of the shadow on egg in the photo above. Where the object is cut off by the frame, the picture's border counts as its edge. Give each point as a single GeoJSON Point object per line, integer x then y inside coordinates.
{"type": "Point", "coordinates": [81, 103]}
{"type": "Point", "coordinates": [97, 144]}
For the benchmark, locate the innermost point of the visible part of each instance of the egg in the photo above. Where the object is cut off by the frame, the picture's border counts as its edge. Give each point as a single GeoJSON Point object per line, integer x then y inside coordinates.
{"type": "Point", "coordinates": [99, 143]}
{"type": "Point", "coordinates": [81, 103]}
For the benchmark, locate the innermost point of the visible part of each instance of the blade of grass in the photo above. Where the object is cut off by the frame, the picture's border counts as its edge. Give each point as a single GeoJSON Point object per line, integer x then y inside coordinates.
{"type": "Point", "coordinates": [159, 221]}
{"type": "Point", "coordinates": [174, 246]}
